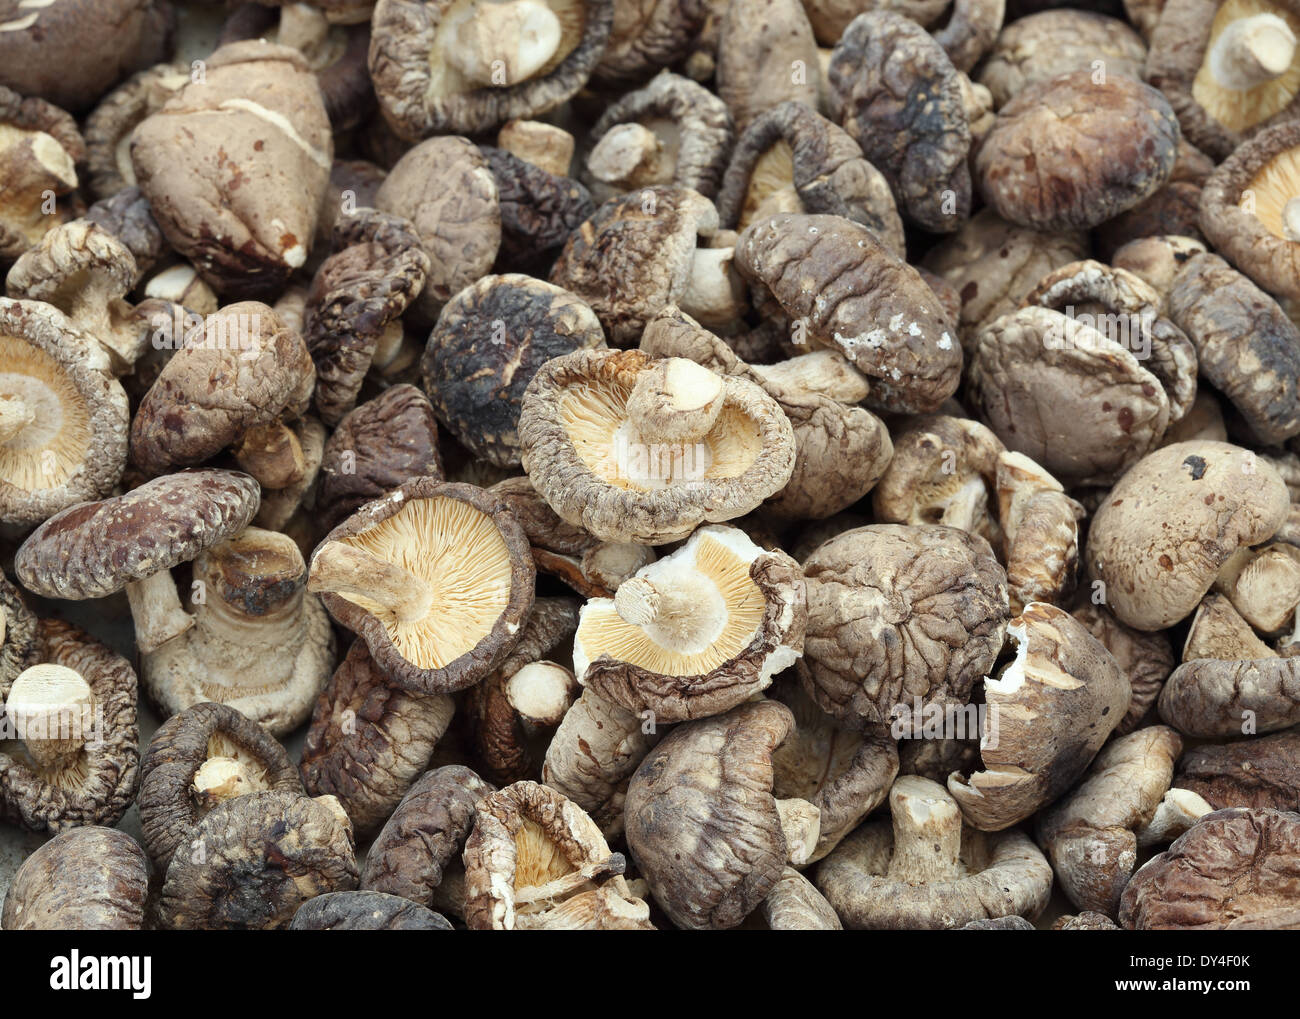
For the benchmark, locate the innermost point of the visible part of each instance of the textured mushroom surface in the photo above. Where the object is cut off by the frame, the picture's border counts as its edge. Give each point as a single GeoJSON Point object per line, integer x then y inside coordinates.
{"type": "Point", "coordinates": [1257, 772]}
{"type": "Point", "coordinates": [86, 879]}
{"type": "Point", "coordinates": [365, 911]}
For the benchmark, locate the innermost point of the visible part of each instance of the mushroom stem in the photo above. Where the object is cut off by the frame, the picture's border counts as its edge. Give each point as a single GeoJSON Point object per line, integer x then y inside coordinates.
{"type": "Point", "coordinates": [1291, 219]}
{"type": "Point", "coordinates": [220, 779]}
{"type": "Point", "coordinates": [630, 156]}
{"type": "Point", "coordinates": [543, 145]}
{"type": "Point", "coordinates": [927, 832]}
{"type": "Point", "coordinates": [306, 29]}
{"type": "Point", "coordinates": [272, 454]}
{"type": "Point", "coordinates": [344, 569]}
{"type": "Point", "coordinates": [157, 611]}
{"type": "Point", "coordinates": [541, 693]}
{"type": "Point", "coordinates": [715, 293]}
{"type": "Point", "coordinates": [4, 624]}
{"type": "Point", "coordinates": [675, 400]}
{"type": "Point", "coordinates": [504, 43]}
{"type": "Point", "coordinates": [683, 613]}
{"type": "Point", "coordinates": [826, 372]}
{"type": "Point", "coordinates": [1178, 811]}
{"type": "Point", "coordinates": [801, 823]}
{"type": "Point", "coordinates": [1252, 51]}
{"type": "Point", "coordinates": [15, 416]}
{"type": "Point", "coordinates": [49, 706]}
{"type": "Point", "coordinates": [395, 351]}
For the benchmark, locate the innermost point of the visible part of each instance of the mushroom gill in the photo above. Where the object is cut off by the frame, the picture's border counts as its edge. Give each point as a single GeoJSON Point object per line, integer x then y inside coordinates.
{"type": "Point", "coordinates": [44, 423]}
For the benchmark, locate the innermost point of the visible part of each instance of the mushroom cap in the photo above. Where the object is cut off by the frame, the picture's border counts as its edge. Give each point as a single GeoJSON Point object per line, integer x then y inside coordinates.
{"type": "Point", "coordinates": [109, 125]}
{"type": "Point", "coordinates": [421, 94]}
{"type": "Point", "coordinates": [264, 854]}
{"type": "Point", "coordinates": [365, 911]}
{"type": "Point", "coordinates": [170, 810]}
{"type": "Point", "coordinates": [1047, 714]}
{"type": "Point", "coordinates": [583, 457]}
{"type": "Point", "coordinates": [1146, 658]}
{"type": "Point", "coordinates": [535, 861]}
{"type": "Point", "coordinates": [248, 370]}
{"type": "Point", "coordinates": [1246, 345]}
{"type": "Point", "coordinates": [1172, 210]}
{"type": "Point", "coordinates": [1233, 870]}
{"type": "Point", "coordinates": [99, 783]}
{"type": "Point", "coordinates": [84, 879]}
{"type": "Point", "coordinates": [235, 166]}
{"type": "Point", "coordinates": [634, 256]}
{"type": "Point", "coordinates": [96, 548]}
{"type": "Point", "coordinates": [749, 42]}
{"type": "Point", "coordinates": [881, 66]}
{"type": "Point", "coordinates": [481, 595]}
{"type": "Point", "coordinates": [795, 904]}
{"type": "Point", "coordinates": [1214, 698]}
{"type": "Point", "coordinates": [897, 612]}
{"type": "Point", "coordinates": [999, 923]}
{"type": "Point", "coordinates": [1040, 532]}
{"type": "Point", "coordinates": [377, 270]}
{"type": "Point", "coordinates": [1161, 535]}
{"type": "Point", "coordinates": [702, 823]}
{"type": "Point", "coordinates": [749, 612]}
{"type": "Point", "coordinates": [1090, 833]}
{"type": "Point", "coordinates": [423, 839]}
{"type": "Point", "coordinates": [41, 146]}
{"type": "Point", "coordinates": [1041, 167]}
{"type": "Point", "coordinates": [854, 295]}
{"type": "Point", "coordinates": [793, 146]}
{"type": "Point", "coordinates": [1085, 921]}
{"type": "Point", "coordinates": [75, 448]}
{"type": "Point", "coordinates": [1259, 772]}
{"type": "Point", "coordinates": [648, 36]}
{"type": "Point", "coordinates": [489, 342]}
{"type": "Point", "coordinates": [868, 881]}
{"type": "Point", "coordinates": [127, 216]}
{"type": "Point", "coordinates": [368, 740]}
{"type": "Point", "coordinates": [539, 211]}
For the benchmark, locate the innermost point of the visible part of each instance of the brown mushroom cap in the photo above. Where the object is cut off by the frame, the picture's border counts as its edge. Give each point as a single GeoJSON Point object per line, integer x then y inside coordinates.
{"type": "Point", "coordinates": [365, 911]}
{"type": "Point", "coordinates": [127, 216]}
{"type": "Point", "coordinates": [1048, 713]}
{"type": "Point", "coordinates": [426, 65]}
{"type": "Point", "coordinates": [648, 36]}
{"type": "Point", "coordinates": [1217, 698]}
{"type": "Point", "coordinates": [1233, 870]}
{"type": "Point", "coordinates": [369, 741]}
{"type": "Point", "coordinates": [263, 855]}
{"type": "Point", "coordinates": [202, 756]}
{"type": "Point", "coordinates": [850, 293]}
{"type": "Point", "coordinates": [927, 871]}
{"type": "Point", "coordinates": [39, 154]}
{"type": "Point", "coordinates": [1173, 210]}
{"type": "Point", "coordinates": [63, 417]}
{"type": "Point", "coordinates": [754, 39]}
{"type": "Point", "coordinates": [1146, 658]}
{"type": "Point", "coordinates": [1257, 772]}
{"type": "Point", "coordinates": [792, 159]}
{"type": "Point", "coordinates": [539, 210]}
{"type": "Point", "coordinates": [436, 578]}
{"type": "Point", "coordinates": [536, 861]}
{"type": "Point", "coordinates": [109, 125]}
{"type": "Point", "coordinates": [1158, 260]}
{"type": "Point", "coordinates": [1161, 535]}
{"type": "Point", "coordinates": [85, 879]}
{"type": "Point", "coordinates": [1041, 167]}
{"type": "Point", "coordinates": [89, 777]}
{"type": "Point", "coordinates": [898, 612]}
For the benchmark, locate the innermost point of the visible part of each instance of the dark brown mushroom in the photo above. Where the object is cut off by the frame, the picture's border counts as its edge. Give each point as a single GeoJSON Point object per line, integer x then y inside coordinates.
{"type": "Point", "coordinates": [85, 879]}
{"type": "Point", "coordinates": [539, 210]}
{"type": "Point", "coordinates": [365, 911]}
{"type": "Point", "coordinates": [1258, 772]}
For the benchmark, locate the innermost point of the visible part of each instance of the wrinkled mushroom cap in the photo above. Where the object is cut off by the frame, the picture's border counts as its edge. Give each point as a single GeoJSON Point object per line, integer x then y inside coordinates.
{"type": "Point", "coordinates": [86, 879]}
{"type": "Point", "coordinates": [365, 911]}
{"type": "Point", "coordinates": [40, 148]}
{"type": "Point", "coordinates": [1258, 772]}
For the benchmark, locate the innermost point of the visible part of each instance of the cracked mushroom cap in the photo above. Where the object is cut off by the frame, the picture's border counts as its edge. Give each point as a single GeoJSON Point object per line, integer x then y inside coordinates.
{"type": "Point", "coordinates": [248, 370]}
{"type": "Point", "coordinates": [1068, 153]}
{"type": "Point", "coordinates": [1146, 658]}
{"type": "Point", "coordinates": [356, 303]}
{"type": "Point", "coordinates": [1257, 772]}
{"type": "Point", "coordinates": [1250, 210]}
{"type": "Point", "coordinates": [1247, 346]}
{"type": "Point", "coordinates": [536, 861]}
{"type": "Point", "coordinates": [109, 125]}
{"type": "Point", "coordinates": [1228, 67]}
{"type": "Point", "coordinates": [365, 911]}
{"type": "Point", "coordinates": [205, 755]}
{"type": "Point", "coordinates": [696, 632]}
{"type": "Point", "coordinates": [440, 66]}
{"type": "Point", "coordinates": [601, 439]}
{"type": "Point", "coordinates": [1048, 713]}
{"type": "Point", "coordinates": [766, 54]}
{"type": "Point", "coordinates": [896, 93]}
{"type": "Point", "coordinates": [489, 342]}
{"type": "Point", "coordinates": [1092, 834]}
{"type": "Point", "coordinates": [259, 642]}
{"type": "Point", "coordinates": [792, 159]}
{"type": "Point", "coordinates": [1233, 870]}
{"type": "Point", "coordinates": [63, 417]}
{"type": "Point", "coordinates": [75, 713]}
{"type": "Point", "coordinates": [236, 164]}
{"type": "Point", "coordinates": [835, 280]}
{"type": "Point", "coordinates": [39, 153]}
{"type": "Point", "coordinates": [671, 131]}
{"type": "Point", "coordinates": [1159, 538]}
{"type": "Point", "coordinates": [378, 446]}
{"type": "Point", "coordinates": [436, 578]}
{"type": "Point", "coordinates": [85, 879]}
{"type": "Point", "coordinates": [841, 449]}
{"type": "Point", "coordinates": [417, 855]}
{"type": "Point", "coordinates": [703, 825]}
{"type": "Point", "coordinates": [369, 741]}
{"type": "Point", "coordinates": [19, 641]}
{"type": "Point", "coordinates": [925, 870]}
{"type": "Point", "coordinates": [1041, 46]}
{"type": "Point", "coordinates": [897, 612]}
{"type": "Point", "coordinates": [257, 858]}
{"type": "Point", "coordinates": [539, 210]}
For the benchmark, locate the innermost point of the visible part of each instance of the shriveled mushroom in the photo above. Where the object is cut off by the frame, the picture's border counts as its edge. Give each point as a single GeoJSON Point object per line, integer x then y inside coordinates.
{"type": "Point", "coordinates": [19, 642]}
{"type": "Point", "coordinates": [85, 879]}
{"type": "Point", "coordinates": [539, 210]}
{"type": "Point", "coordinates": [766, 55]}
{"type": "Point", "coordinates": [200, 757]}
{"type": "Point", "coordinates": [924, 869]}
{"type": "Point", "coordinates": [1146, 658]}
{"type": "Point", "coordinates": [365, 911]}
{"type": "Point", "coordinates": [1085, 921]}
{"type": "Point", "coordinates": [39, 153]}
{"type": "Point", "coordinates": [109, 125]}
{"type": "Point", "coordinates": [132, 541]}
{"type": "Point", "coordinates": [649, 35]}
{"type": "Point", "coordinates": [1040, 532]}
{"type": "Point", "coordinates": [1262, 771]}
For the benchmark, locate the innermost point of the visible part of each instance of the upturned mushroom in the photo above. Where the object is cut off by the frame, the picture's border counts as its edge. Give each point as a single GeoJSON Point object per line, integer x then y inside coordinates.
{"type": "Point", "coordinates": [85, 879]}
{"type": "Point", "coordinates": [436, 578]}
{"type": "Point", "coordinates": [924, 869]}
{"type": "Point", "coordinates": [39, 153]}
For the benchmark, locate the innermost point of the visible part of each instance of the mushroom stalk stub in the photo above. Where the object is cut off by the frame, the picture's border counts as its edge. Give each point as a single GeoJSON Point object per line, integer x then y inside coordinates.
{"type": "Point", "coordinates": [49, 706]}
{"type": "Point", "coordinates": [345, 569]}
{"type": "Point", "coordinates": [1252, 51]}
{"type": "Point", "coordinates": [504, 43]}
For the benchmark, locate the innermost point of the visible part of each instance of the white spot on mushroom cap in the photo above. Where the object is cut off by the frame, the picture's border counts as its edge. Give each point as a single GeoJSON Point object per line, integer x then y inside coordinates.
{"type": "Point", "coordinates": [945, 341]}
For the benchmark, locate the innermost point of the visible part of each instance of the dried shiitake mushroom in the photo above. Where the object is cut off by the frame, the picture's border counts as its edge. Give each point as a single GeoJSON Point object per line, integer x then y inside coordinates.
{"type": "Point", "coordinates": [794, 904]}
{"type": "Point", "coordinates": [365, 911]}
{"type": "Point", "coordinates": [1146, 658]}
{"type": "Point", "coordinates": [539, 210]}
{"type": "Point", "coordinates": [766, 55]}
{"type": "Point", "coordinates": [85, 879]}
{"type": "Point", "coordinates": [109, 125]}
{"type": "Point", "coordinates": [19, 643]}
{"type": "Point", "coordinates": [648, 35]}
{"type": "Point", "coordinates": [40, 148]}
{"type": "Point", "coordinates": [1260, 771]}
